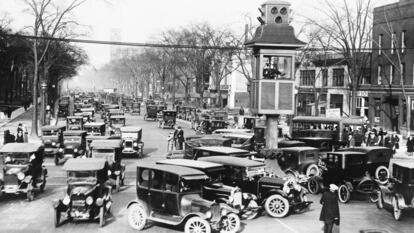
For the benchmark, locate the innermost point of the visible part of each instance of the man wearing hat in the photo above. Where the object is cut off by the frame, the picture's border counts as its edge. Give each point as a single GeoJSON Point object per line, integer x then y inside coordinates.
{"type": "Point", "coordinates": [330, 208]}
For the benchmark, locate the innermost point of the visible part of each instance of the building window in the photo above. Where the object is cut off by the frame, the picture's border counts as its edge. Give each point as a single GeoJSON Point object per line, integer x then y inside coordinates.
{"type": "Point", "coordinates": [377, 104]}
{"type": "Point", "coordinates": [379, 71]}
{"type": "Point", "coordinates": [307, 77]}
{"type": "Point", "coordinates": [380, 44]}
{"type": "Point", "coordinates": [362, 106]}
{"type": "Point", "coordinates": [338, 78]}
{"type": "Point", "coordinates": [366, 76]}
{"type": "Point", "coordinates": [392, 43]}
{"type": "Point", "coordinates": [403, 45]}
{"type": "Point", "coordinates": [324, 78]}
{"type": "Point", "coordinates": [402, 72]}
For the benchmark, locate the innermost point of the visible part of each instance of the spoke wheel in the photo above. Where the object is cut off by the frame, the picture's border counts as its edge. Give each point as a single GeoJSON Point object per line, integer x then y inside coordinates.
{"type": "Point", "coordinates": [277, 206]}
{"type": "Point", "coordinates": [57, 218]}
{"type": "Point", "coordinates": [101, 216]}
{"type": "Point", "coordinates": [380, 201]}
{"type": "Point", "coordinates": [397, 210]}
{"type": "Point", "coordinates": [231, 223]}
{"type": "Point", "coordinates": [251, 214]}
{"type": "Point", "coordinates": [374, 196]}
{"type": "Point", "coordinates": [197, 225]}
{"type": "Point", "coordinates": [313, 170]}
{"type": "Point", "coordinates": [137, 216]}
{"type": "Point", "coordinates": [313, 186]}
{"type": "Point", "coordinates": [382, 174]}
{"type": "Point", "coordinates": [344, 195]}
{"type": "Point", "coordinates": [291, 175]}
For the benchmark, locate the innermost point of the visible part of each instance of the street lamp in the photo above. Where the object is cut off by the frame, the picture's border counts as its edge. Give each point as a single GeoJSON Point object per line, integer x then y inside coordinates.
{"type": "Point", "coordinates": [43, 86]}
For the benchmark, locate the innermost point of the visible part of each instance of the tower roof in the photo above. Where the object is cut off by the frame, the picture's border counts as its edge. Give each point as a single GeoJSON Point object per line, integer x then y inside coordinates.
{"type": "Point", "coordinates": [275, 35]}
{"type": "Point", "coordinates": [276, 2]}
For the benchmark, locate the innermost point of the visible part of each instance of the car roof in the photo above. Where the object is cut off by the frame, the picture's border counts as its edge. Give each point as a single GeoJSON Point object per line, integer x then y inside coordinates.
{"type": "Point", "coordinates": [130, 129]}
{"type": "Point", "coordinates": [94, 124]}
{"type": "Point", "coordinates": [87, 109]}
{"type": "Point", "coordinates": [222, 149]}
{"type": "Point", "coordinates": [299, 148]}
{"type": "Point", "coordinates": [73, 132]}
{"type": "Point", "coordinates": [76, 117]}
{"type": "Point", "coordinates": [53, 127]}
{"type": "Point", "coordinates": [106, 143]}
{"type": "Point", "coordinates": [404, 163]}
{"type": "Point", "coordinates": [189, 163]}
{"type": "Point", "coordinates": [290, 142]}
{"type": "Point", "coordinates": [117, 117]}
{"type": "Point", "coordinates": [348, 153]}
{"type": "Point", "coordinates": [365, 149]}
{"type": "Point", "coordinates": [169, 111]}
{"type": "Point", "coordinates": [20, 147]}
{"type": "Point", "coordinates": [232, 161]}
{"type": "Point", "coordinates": [86, 164]}
{"type": "Point", "coordinates": [177, 170]}
{"type": "Point", "coordinates": [217, 131]}
{"type": "Point", "coordinates": [238, 135]}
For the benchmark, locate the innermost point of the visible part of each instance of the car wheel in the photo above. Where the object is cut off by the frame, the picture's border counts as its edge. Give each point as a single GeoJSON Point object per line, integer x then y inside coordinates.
{"type": "Point", "coordinates": [380, 201]}
{"type": "Point", "coordinates": [397, 210]}
{"type": "Point", "coordinates": [101, 216]}
{"type": "Point", "coordinates": [313, 186]}
{"type": "Point", "coordinates": [57, 218]}
{"type": "Point", "coordinates": [118, 183]}
{"type": "Point", "coordinates": [313, 170]}
{"type": "Point", "coordinates": [137, 216]}
{"type": "Point", "coordinates": [344, 195]}
{"type": "Point", "coordinates": [277, 206]}
{"type": "Point", "coordinates": [251, 214]}
{"type": "Point", "coordinates": [231, 223]}
{"type": "Point", "coordinates": [197, 225]}
{"type": "Point", "coordinates": [374, 196]}
{"type": "Point", "coordinates": [382, 174]}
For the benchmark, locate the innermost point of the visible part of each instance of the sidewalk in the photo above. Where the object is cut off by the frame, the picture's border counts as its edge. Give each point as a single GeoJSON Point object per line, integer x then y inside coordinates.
{"type": "Point", "coordinates": [14, 114]}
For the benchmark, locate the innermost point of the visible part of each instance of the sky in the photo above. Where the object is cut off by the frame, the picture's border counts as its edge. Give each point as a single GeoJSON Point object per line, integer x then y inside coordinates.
{"type": "Point", "coordinates": [143, 20]}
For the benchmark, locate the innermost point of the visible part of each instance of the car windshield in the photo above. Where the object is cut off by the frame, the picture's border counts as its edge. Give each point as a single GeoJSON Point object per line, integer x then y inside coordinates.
{"type": "Point", "coordinates": [72, 139]}
{"type": "Point", "coordinates": [191, 185]}
{"type": "Point", "coordinates": [74, 121]}
{"type": "Point", "coordinates": [94, 129]}
{"type": "Point", "coordinates": [49, 133]}
{"type": "Point", "coordinates": [104, 150]}
{"type": "Point", "coordinates": [215, 174]}
{"type": "Point", "coordinates": [16, 158]}
{"type": "Point", "coordinates": [117, 121]}
{"type": "Point", "coordinates": [81, 176]}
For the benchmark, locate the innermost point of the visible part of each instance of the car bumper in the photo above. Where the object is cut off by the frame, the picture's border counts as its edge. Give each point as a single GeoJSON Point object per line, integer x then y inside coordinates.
{"type": "Point", "coordinates": [51, 151]}
{"type": "Point", "coordinates": [11, 189]}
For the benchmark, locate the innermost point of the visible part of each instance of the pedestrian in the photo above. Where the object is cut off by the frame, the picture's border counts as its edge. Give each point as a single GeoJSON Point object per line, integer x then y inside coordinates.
{"type": "Point", "coordinates": [395, 141]}
{"type": "Point", "coordinates": [330, 209]}
{"type": "Point", "coordinates": [180, 138]}
{"type": "Point", "coordinates": [410, 144]}
{"type": "Point", "coordinates": [241, 111]}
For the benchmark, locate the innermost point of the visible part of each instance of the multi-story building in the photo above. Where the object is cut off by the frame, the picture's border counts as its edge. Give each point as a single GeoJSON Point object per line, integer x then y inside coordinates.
{"type": "Point", "coordinates": [391, 89]}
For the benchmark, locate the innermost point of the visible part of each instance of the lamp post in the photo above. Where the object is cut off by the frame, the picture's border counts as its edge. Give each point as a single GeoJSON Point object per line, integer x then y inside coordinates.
{"type": "Point", "coordinates": [43, 87]}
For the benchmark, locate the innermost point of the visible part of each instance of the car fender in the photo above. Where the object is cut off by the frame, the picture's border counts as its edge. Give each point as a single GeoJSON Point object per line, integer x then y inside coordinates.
{"type": "Point", "coordinates": [27, 179]}
{"type": "Point", "coordinates": [401, 201]}
{"type": "Point", "coordinates": [272, 192]}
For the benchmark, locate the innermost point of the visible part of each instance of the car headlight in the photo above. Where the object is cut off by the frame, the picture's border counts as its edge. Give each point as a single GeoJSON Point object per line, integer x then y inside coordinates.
{"type": "Point", "coordinates": [60, 150]}
{"type": "Point", "coordinates": [117, 172]}
{"type": "Point", "coordinates": [53, 143]}
{"type": "Point", "coordinates": [223, 212]}
{"type": "Point", "coordinates": [89, 200]}
{"type": "Point", "coordinates": [66, 200]}
{"type": "Point", "coordinates": [75, 150]}
{"type": "Point", "coordinates": [135, 144]}
{"type": "Point", "coordinates": [209, 214]}
{"type": "Point", "coordinates": [7, 159]}
{"type": "Point", "coordinates": [109, 172]}
{"type": "Point", "coordinates": [20, 175]}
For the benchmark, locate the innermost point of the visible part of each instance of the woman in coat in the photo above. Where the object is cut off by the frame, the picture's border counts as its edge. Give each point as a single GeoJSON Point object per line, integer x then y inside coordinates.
{"type": "Point", "coordinates": [330, 208]}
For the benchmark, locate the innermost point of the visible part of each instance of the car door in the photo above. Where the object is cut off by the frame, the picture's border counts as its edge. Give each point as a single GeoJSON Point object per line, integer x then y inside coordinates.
{"type": "Point", "coordinates": [171, 193]}
{"type": "Point", "coordinates": [156, 191]}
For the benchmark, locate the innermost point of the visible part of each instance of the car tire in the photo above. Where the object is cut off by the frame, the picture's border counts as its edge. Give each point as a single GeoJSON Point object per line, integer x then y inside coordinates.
{"type": "Point", "coordinates": [101, 216]}
{"type": "Point", "coordinates": [291, 175]}
{"type": "Point", "coordinates": [313, 170]}
{"type": "Point", "coordinates": [379, 174]}
{"type": "Point", "coordinates": [137, 216]}
{"type": "Point", "coordinates": [277, 206]}
{"type": "Point", "coordinates": [380, 201]}
{"type": "Point", "coordinates": [374, 196]}
{"type": "Point", "coordinates": [253, 214]}
{"type": "Point", "coordinates": [397, 212]}
{"type": "Point", "coordinates": [314, 186]}
{"type": "Point", "coordinates": [57, 218]}
{"type": "Point", "coordinates": [231, 223]}
{"type": "Point", "coordinates": [197, 225]}
{"type": "Point", "coordinates": [344, 194]}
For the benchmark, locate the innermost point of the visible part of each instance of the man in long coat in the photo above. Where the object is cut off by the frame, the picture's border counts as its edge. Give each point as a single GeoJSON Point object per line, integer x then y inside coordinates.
{"type": "Point", "coordinates": [330, 208]}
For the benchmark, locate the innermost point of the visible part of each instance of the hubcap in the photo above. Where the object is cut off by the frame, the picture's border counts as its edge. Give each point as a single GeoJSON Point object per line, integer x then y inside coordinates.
{"type": "Point", "coordinates": [277, 206]}
{"type": "Point", "coordinates": [197, 227]}
{"type": "Point", "coordinates": [229, 224]}
{"type": "Point", "coordinates": [136, 217]}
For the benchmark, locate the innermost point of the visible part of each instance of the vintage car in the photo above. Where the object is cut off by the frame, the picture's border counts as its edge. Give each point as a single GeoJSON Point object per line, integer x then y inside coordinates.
{"type": "Point", "coordinates": [290, 143]}
{"type": "Point", "coordinates": [115, 123]}
{"type": "Point", "coordinates": [351, 171]}
{"type": "Point", "coordinates": [194, 142]}
{"type": "Point", "coordinates": [90, 111]}
{"type": "Point", "coordinates": [22, 169]}
{"type": "Point", "coordinates": [107, 108]}
{"type": "Point", "coordinates": [52, 138]}
{"type": "Point", "coordinates": [215, 190]}
{"type": "Point", "coordinates": [278, 196]}
{"type": "Point", "coordinates": [74, 145]}
{"type": "Point", "coordinates": [249, 122]}
{"type": "Point", "coordinates": [204, 151]}
{"type": "Point", "coordinates": [208, 126]}
{"type": "Point", "coordinates": [136, 108]}
{"type": "Point", "coordinates": [168, 119]}
{"type": "Point", "coordinates": [87, 196]}
{"type": "Point", "coordinates": [110, 150]}
{"type": "Point", "coordinates": [132, 141]}
{"type": "Point", "coordinates": [74, 123]}
{"type": "Point", "coordinates": [91, 138]}
{"type": "Point", "coordinates": [173, 195]}
{"type": "Point", "coordinates": [95, 128]}
{"type": "Point", "coordinates": [151, 112]}
{"type": "Point", "coordinates": [86, 116]}
{"type": "Point", "coordinates": [300, 161]}
{"type": "Point", "coordinates": [63, 108]}
{"type": "Point", "coordinates": [399, 192]}
{"type": "Point", "coordinates": [243, 141]}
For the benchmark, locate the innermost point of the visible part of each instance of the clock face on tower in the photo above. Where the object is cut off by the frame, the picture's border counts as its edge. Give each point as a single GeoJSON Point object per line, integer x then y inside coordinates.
{"type": "Point", "coordinates": [278, 19]}
{"type": "Point", "coordinates": [273, 10]}
{"type": "Point", "coordinates": [283, 11]}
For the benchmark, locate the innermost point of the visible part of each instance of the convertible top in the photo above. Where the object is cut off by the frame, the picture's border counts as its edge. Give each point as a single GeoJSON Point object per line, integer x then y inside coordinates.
{"type": "Point", "coordinates": [117, 117]}
{"type": "Point", "coordinates": [53, 127]}
{"type": "Point", "coordinates": [190, 163]}
{"type": "Point", "coordinates": [108, 144]}
{"type": "Point", "coordinates": [299, 148]}
{"type": "Point", "coordinates": [74, 117]}
{"type": "Point", "coordinates": [87, 164]}
{"type": "Point", "coordinates": [20, 147]}
{"type": "Point", "coordinates": [131, 129]}
{"type": "Point", "coordinates": [404, 163]}
{"type": "Point", "coordinates": [232, 161]}
{"type": "Point", "coordinates": [184, 172]}
{"type": "Point", "coordinates": [222, 149]}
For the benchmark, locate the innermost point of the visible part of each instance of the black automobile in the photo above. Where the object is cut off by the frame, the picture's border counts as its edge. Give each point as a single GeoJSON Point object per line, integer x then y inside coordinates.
{"type": "Point", "coordinates": [168, 119]}
{"type": "Point", "coordinates": [215, 190]}
{"type": "Point", "coordinates": [279, 196]}
{"type": "Point", "coordinates": [132, 141]}
{"type": "Point", "coordinates": [173, 195]}
{"type": "Point", "coordinates": [204, 151]}
{"type": "Point", "coordinates": [74, 123]}
{"type": "Point", "coordinates": [300, 162]}
{"type": "Point", "coordinates": [398, 194]}
{"type": "Point", "coordinates": [22, 169]}
{"type": "Point", "coordinates": [151, 112]}
{"type": "Point", "coordinates": [87, 196]}
{"type": "Point", "coordinates": [74, 142]}
{"type": "Point", "coordinates": [95, 128]}
{"type": "Point", "coordinates": [52, 139]}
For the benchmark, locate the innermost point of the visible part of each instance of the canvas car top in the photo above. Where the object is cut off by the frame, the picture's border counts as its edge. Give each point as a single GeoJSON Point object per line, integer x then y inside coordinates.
{"type": "Point", "coordinates": [87, 109]}
{"type": "Point", "coordinates": [404, 163]}
{"type": "Point", "coordinates": [131, 129]}
{"type": "Point", "coordinates": [20, 147]}
{"type": "Point", "coordinates": [101, 144]}
{"type": "Point", "coordinates": [222, 149]}
{"type": "Point", "coordinates": [93, 124]}
{"type": "Point", "coordinates": [115, 111]}
{"type": "Point", "coordinates": [299, 148]}
{"type": "Point", "coordinates": [184, 172]}
{"type": "Point", "coordinates": [190, 163]}
{"type": "Point", "coordinates": [52, 127]}
{"type": "Point", "coordinates": [87, 164]}
{"type": "Point", "coordinates": [74, 132]}
{"type": "Point", "coordinates": [232, 161]}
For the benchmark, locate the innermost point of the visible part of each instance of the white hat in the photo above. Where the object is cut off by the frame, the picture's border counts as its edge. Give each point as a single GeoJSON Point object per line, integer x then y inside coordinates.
{"type": "Point", "coordinates": [333, 187]}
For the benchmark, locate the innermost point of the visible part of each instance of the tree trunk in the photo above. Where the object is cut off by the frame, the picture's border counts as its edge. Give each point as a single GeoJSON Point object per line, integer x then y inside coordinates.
{"type": "Point", "coordinates": [186, 91]}
{"type": "Point", "coordinates": [34, 131]}
{"type": "Point", "coordinates": [353, 100]}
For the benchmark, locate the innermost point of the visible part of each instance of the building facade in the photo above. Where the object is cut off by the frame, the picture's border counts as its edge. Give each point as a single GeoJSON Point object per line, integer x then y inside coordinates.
{"type": "Point", "coordinates": [391, 93]}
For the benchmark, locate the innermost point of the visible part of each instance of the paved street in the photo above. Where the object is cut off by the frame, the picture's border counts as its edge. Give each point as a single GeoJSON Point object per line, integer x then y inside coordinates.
{"type": "Point", "coordinates": [18, 215]}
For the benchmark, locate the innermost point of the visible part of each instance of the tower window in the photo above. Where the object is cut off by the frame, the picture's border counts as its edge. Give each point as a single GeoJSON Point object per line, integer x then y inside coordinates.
{"type": "Point", "coordinates": [273, 10]}
{"type": "Point", "coordinates": [283, 11]}
{"type": "Point", "coordinates": [278, 19]}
